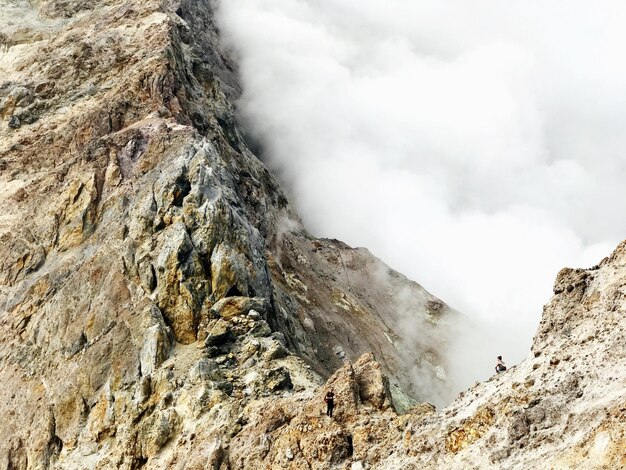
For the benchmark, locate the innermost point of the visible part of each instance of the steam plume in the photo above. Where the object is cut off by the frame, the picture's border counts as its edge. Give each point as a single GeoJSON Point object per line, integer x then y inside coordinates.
{"type": "Point", "coordinates": [478, 147]}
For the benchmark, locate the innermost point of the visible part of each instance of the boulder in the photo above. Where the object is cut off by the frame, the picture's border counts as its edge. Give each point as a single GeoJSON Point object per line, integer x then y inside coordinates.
{"type": "Point", "coordinates": [277, 379]}
{"type": "Point", "coordinates": [275, 351]}
{"type": "Point", "coordinates": [373, 384]}
{"type": "Point", "coordinates": [219, 334]}
{"type": "Point", "coordinates": [234, 306]}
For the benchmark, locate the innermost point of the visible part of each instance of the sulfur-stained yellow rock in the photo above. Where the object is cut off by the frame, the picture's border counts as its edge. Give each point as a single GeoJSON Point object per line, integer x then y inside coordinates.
{"type": "Point", "coordinates": [131, 206]}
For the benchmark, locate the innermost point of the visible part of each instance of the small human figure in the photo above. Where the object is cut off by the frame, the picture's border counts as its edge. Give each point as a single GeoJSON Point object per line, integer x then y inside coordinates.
{"type": "Point", "coordinates": [330, 402]}
{"type": "Point", "coordinates": [500, 366]}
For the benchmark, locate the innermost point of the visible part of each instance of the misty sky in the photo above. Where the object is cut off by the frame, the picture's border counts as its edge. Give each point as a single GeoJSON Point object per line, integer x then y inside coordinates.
{"type": "Point", "coordinates": [478, 147]}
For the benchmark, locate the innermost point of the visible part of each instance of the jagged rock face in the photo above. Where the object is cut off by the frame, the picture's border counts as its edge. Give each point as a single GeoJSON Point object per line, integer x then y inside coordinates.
{"type": "Point", "coordinates": [563, 407]}
{"type": "Point", "coordinates": [138, 231]}
{"type": "Point", "coordinates": [161, 306]}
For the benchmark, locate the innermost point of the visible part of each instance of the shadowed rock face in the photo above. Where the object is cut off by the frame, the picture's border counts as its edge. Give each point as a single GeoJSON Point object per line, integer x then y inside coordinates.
{"type": "Point", "coordinates": [138, 230]}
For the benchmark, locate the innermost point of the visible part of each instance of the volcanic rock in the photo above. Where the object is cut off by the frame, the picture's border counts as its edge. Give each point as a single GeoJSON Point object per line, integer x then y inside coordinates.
{"type": "Point", "coordinates": [133, 214]}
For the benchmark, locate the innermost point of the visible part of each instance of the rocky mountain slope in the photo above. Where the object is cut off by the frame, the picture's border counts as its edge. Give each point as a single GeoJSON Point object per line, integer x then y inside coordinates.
{"type": "Point", "coordinates": [138, 231]}
{"type": "Point", "coordinates": [563, 407]}
{"type": "Point", "coordinates": [161, 305]}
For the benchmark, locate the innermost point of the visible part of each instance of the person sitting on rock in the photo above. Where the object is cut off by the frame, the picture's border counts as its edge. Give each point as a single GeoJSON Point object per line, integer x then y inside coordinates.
{"type": "Point", "coordinates": [330, 402]}
{"type": "Point", "coordinates": [500, 366]}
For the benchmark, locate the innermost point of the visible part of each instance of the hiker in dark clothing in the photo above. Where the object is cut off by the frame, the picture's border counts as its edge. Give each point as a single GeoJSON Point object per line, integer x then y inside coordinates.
{"type": "Point", "coordinates": [330, 402]}
{"type": "Point", "coordinates": [500, 367]}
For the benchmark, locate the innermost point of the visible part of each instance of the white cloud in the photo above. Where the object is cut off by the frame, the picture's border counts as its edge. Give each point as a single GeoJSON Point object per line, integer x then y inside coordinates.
{"type": "Point", "coordinates": [478, 147]}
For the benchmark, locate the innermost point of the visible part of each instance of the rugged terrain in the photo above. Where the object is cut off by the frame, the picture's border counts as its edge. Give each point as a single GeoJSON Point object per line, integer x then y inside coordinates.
{"type": "Point", "coordinates": [161, 305]}
{"type": "Point", "coordinates": [136, 225]}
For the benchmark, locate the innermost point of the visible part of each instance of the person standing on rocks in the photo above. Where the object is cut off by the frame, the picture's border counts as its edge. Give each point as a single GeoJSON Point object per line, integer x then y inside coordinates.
{"type": "Point", "coordinates": [500, 366]}
{"type": "Point", "coordinates": [330, 402]}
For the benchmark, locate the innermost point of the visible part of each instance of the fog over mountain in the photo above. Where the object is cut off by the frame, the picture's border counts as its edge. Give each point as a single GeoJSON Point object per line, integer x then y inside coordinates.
{"type": "Point", "coordinates": [163, 305]}
{"type": "Point", "coordinates": [476, 147]}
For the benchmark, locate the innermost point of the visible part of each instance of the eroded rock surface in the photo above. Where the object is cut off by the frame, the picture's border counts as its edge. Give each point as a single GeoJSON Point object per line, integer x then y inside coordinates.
{"type": "Point", "coordinates": [161, 305]}
{"type": "Point", "coordinates": [560, 408]}
{"type": "Point", "coordinates": [140, 236]}
{"type": "Point", "coordinates": [563, 407]}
